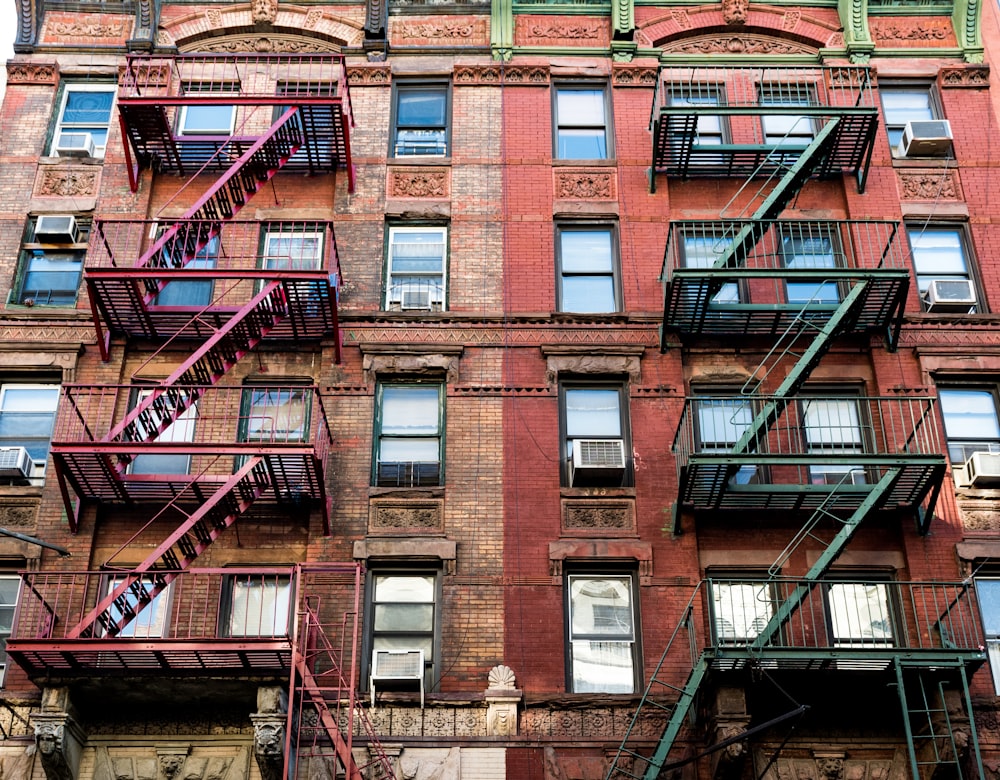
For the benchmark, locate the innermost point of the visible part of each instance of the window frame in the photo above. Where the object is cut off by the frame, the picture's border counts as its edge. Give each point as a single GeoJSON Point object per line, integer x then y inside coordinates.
{"type": "Point", "coordinates": [11, 609]}
{"type": "Point", "coordinates": [284, 231]}
{"type": "Point", "coordinates": [60, 126]}
{"type": "Point", "coordinates": [372, 635]}
{"type": "Point", "coordinates": [613, 273]}
{"type": "Point", "coordinates": [837, 255]}
{"type": "Point", "coordinates": [265, 578]}
{"type": "Point", "coordinates": [757, 579]}
{"type": "Point", "coordinates": [968, 257]}
{"type": "Point", "coordinates": [249, 434]}
{"type": "Point", "coordinates": [183, 429]}
{"type": "Point", "coordinates": [400, 87]}
{"type": "Point", "coordinates": [934, 107]}
{"type": "Point", "coordinates": [969, 445]}
{"type": "Point", "coordinates": [207, 259]}
{"type": "Point", "coordinates": [788, 95]}
{"type": "Point", "coordinates": [572, 636]}
{"type": "Point", "coordinates": [32, 250]}
{"type": "Point", "coordinates": [437, 292]}
{"type": "Point", "coordinates": [882, 579]}
{"type": "Point", "coordinates": [153, 619]}
{"type": "Point", "coordinates": [569, 124]}
{"type": "Point", "coordinates": [725, 296]}
{"type": "Point", "coordinates": [38, 467]}
{"type": "Point", "coordinates": [990, 638]}
{"type": "Point", "coordinates": [711, 396]}
{"type": "Point", "coordinates": [820, 473]}
{"type": "Point", "coordinates": [215, 89]}
{"type": "Point", "coordinates": [416, 476]}
{"type": "Point", "coordinates": [620, 387]}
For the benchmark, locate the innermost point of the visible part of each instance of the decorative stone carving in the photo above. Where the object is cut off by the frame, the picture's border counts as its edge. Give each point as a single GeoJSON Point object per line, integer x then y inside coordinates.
{"type": "Point", "coordinates": [214, 16]}
{"type": "Point", "coordinates": [462, 30]}
{"type": "Point", "coordinates": [395, 515]}
{"type": "Point", "coordinates": [735, 44]}
{"type": "Point", "coordinates": [537, 75]}
{"type": "Point", "coordinates": [601, 549]}
{"type": "Point", "coordinates": [418, 363]}
{"type": "Point", "coordinates": [367, 77]}
{"type": "Point", "coordinates": [582, 185]}
{"type": "Point", "coordinates": [501, 677]}
{"type": "Point", "coordinates": [969, 77]}
{"type": "Point", "coordinates": [570, 31]}
{"type": "Point", "coordinates": [916, 29]}
{"type": "Point", "coordinates": [592, 516]}
{"type": "Point", "coordinates": [313, 18]}
{"type": "Point", "coordinates": [576, 361]}
{"type": "Point", "coordinates": [633, 77]}
{"type": "Point", "coordinates": [830, 765]}
{"type": "Point", "coordinates": [269, 745]}
{"type": "Point", "coordinates": [66, 183]}
{"type": "Point", "coordinates": [930, 185]}
{"type": "Point", "coordinates": [171, 760]}
{"type": "Point", "coordinates": [263, 12]}
{"type": "Point", "coordinates": [834, 766]}
{"type": "Point", "coordinates": [979, 515]}
{"type": "Point", "coordinates": [31, 72]}
{"type": "Point", "coordinates": [681, 18]}
{"type": "Point", "coordinates": [419, 183]}
{"type": "Point", "coordinates": [18, 514]}
{"type": "Point", "coordinates": [88, 30]}
{"type": "Point", "coordinates": [58, 740]}
{"type": "Point", "coordinates": [266, 45]}
{"type": "Point", "coordinates": [790, 20]}
{"type": "Point", "coordinates": [734, 12]}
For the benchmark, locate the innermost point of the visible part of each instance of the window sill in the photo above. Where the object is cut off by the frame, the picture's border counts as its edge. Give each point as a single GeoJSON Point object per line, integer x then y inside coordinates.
{"type": "Point", "coordinates": [597, 492]}
{"type": "Point", "coordinates": [924, 162]}
{"type": "Point", "coordinates": [41, 311]}
{"type": "Point", "coordinates": [436, 491]}
{"type": "Point", "coordinates": [420, 159]}
{"type": "Point", "coordinates": [609, 162]}
{"type": "Point", "coordinates": [55, 159]}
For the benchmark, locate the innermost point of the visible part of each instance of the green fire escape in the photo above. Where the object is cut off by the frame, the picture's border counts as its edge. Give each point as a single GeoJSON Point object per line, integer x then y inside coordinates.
{"type": "Point", "coordinates": [774, 448]}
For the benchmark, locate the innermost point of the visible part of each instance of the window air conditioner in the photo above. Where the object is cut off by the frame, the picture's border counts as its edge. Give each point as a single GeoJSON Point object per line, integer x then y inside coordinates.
{"type": "Point", "coordinates": [15, 462]}
{"type": "Point", "coordinates": [56, 229]}
{"type": "Point", "coordinates": [955, 295]}
{"type": "Point", "coordinates": [413, 298]}
{"type": "Point", "coordinates": [981, 470]}
{"type": "Point", "coordinates": [75, 145]}
{"type": "Point", "coordinates": [926, 138]}
{"type": "Point", "coordinates": [600, 458]}
{"type": "Point", "coordinates": [397, 666]}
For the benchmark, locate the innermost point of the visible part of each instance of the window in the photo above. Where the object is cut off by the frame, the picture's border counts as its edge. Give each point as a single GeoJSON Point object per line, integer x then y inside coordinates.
{"type": "Point", "coordinates": [179, 431]}
{"type": "Point", "coordinates": [741, 608]}
{"type": "Point", "coordinates": [970, 421]}
{"type": "Point", "coordinates": [587, 268]}
{"type": "Point", "coordinates": [27, 416]}
{"type": "Point", "coordinates": [205, 119]}
{"type": "Point", "coordinates": [404, 615]}
{"type": "Point", "coordinates": [275, 414]}
{"type": "Point", "coordinates": [902, 103]}
{"type": "Point", "coordinates": [150, 621]}
{"type": "Point", "coordinates": [409, 424]}
{"type": "Point", "coordinates": [195, 292]}
{"type": "Point", "coordinates": [721, 424]}
{"type": "Point", "coordinates": [292, 247]}
{"type": "Point", "coordinates": [52, 261]}
{"type": "Point", "coordinates": [602, 653]}
{"type": "Point", "coordinates": [84, 117]}
{"type": "Point", "coordinates": [702, 248]}
{"type": "Point", "coordinates": [257, 605]}
{"type": "Point", "coordinates": [421, 120]}
{"type": "Point", "coordinates": [940, 255]}
{"type": "Point", "coordinates": [710, 129]}
{"type": "Point", "coordinates": [988, 591]}
{"type": "Point", "coordinates": [10, 584]}
{"type": "Point", "coordinates": [807, 248]}
{"type": "Point", "coordinates": [787, 130]}
{"type": "Point", "coordinates": [860, 614]}
{"type": "Point", "coordinates": [594, 436]}
{"type": "Point", "coordinates": [832, 426]}
{"type": "Point", "coordinates": [416, 269]}
{"type": "Point", "coordinates": [581, 123]}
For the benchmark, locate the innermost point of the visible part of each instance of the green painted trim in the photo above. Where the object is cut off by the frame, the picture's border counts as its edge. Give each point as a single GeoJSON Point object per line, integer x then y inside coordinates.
{"type": "Point", "coordinates": [502, 29]}
{"type": "Point", "coordinates": [966, 20]}
{"type": "Point", "coordinates": [622, 19]}
{"type": "Point", "coordinates": [857, 36]}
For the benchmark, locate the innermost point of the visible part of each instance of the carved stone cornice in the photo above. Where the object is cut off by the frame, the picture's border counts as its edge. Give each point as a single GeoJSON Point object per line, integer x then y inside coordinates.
{"type": "Point", "coordinates": [974, 77]}
{"type": "Point", "coordinates": [930, 185]}
{"type": "Point", "coordinates": [265, 44]}
{"type": "Point", "coordinates": [735, 44]}
{"type": "Point", "coordinates": [32, 72]}
{"type": "Point", "coordinates": [531, 74]}
{"type": "Point", "coordinates": [472, 75]}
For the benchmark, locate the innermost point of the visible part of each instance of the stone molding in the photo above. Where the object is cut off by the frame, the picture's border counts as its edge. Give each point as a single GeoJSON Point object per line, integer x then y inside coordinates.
{"type": "Point", "coordinates": [32, 72]}
{"type": "Point", "coordinates": [416, 360]}
{"type": "Point", "coordinates": [913, 29]}
{"type": "Point", "coordinates": [608, 361]}
{"type": "Point", "coordinates": [601, 550]}
{"type": "Point", "coordinates": [418, 182]}
{"type": "Point", "coordinates": [471, 75]}
{"type": "Point", "coordinates": [393, 515]}
{"type": "Point", "coordinates": [410, 548]}
{"type": "Point", "coordinates": [459, 30]}
{"type": "Point", "coordinates": [633, 76]}
{"type": "Point", "coordinates": [939, 184]}
{"type": "Point", "coordinates": [736, 44]}
{"type": "Point", "coordinates": [586, 517]}
{"type": "Point", "coordinates": [370, 76]}
{"type": "Point", "coordinates": [585, 185]}
{"type": "Point", "coordinates": [970, 77]}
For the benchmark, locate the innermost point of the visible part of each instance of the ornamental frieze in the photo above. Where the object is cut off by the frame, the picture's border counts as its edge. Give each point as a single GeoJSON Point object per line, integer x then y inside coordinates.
{"type": "Point", "coordinates": [930, 185]}
{"type": "Point", "coordinates": [575, 31]}
{"type": "Point", "coordinates": [419, 183]}
{"type": "Point", "coordinates": [171, 763]}
{"type": "Point", "coordinates": [18, 514]}
{"type": "Point", "coordinates": [976, 77]}
{"type": "Point", "coordinates": [266, 45]}
{"type": "Point", "coordinates": [66, 183]}
{"type": "Point", "coordinates": [623, 76]}
{"type": "Point", "coordinates": [526, 75]}
{"type": "Point", "coordinates": [85, 30]}
{"type": "Point", "coordinates": [598, 516]}
{"type": "Point", "coordinates": [915, 29]}
{"type": "Point", "coordinates": [830, 768]}
{"type": "Point", "coordinates": [584, 185]}
{"type": "Point", "coordinates": [394, 516]}
{"type": "Point", "coordinates": [735, 44]}
{"type": "Point", "coordinates": [31, 72]}
{"type": "Point", "coordinates": [368, 77]}
{"type": "Point", "coordinates": [463, 31]}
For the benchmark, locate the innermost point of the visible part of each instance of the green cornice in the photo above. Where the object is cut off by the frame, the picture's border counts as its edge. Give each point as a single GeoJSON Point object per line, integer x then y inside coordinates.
{"type": "Point", "coordinates": [966, 18]}
{"type": "Point", "coordinates": [622, 19]}
{"type": "Point", "coordinates": [502, 29]}
{"type": "Point", "coordinates": [857, 36]}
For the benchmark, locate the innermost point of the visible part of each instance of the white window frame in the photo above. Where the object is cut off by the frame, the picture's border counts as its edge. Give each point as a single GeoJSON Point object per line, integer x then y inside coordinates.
{"type": "Point", "coordinates": [207, 89]}
{"type": "Point", "coordinates": [38, 470]}
{"type": "Point", "coordinates": [989, 610]}
{"type": "Point", "coordinates": [400, 282]}
{"type": "Point", "coordinates": [7, 612]}
{"type": "Point", "coordinates": [961, 250]}
{"type": "Point", "coordinates": [61, 126]}
{"type": "Point", "coordinates": [599, 643]}
{"type": "Point", "coordinates": [422, 631]}
{"type": "Point", "coordinates": [834, 426]}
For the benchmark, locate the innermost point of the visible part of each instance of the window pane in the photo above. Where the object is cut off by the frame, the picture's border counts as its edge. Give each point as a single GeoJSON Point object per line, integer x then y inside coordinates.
{"type": "Point", "coordinates": [859, 613]}
{"type": "Point", "coordinates": [742, 609]}
{"type": "Point", "coordinates": [582, 145]}
{"type": "Point", "coordinates": [410, 410]}
{"type": "Point", "coordinates": [422, 107]}
{"type": "Point", "coordinates": [582, 294]}
{"type": "Point", "coordinates": [989, 604]}
{"type": "Point", "coordinates": [407, 642]}
{"type": "Point", "coordinates": [404, 617]}
{"type": "Point", "coordinates": [259, 607]}
{"type": "Point", "coordinates": [601, 634]}
{"type": "Point", "coordinates": [409, 450]}
{"type": "Point", "coordinates": [602, 667]}
{"type": "Point", "coordinates": [291, 251]}
{"type": "Point", "coordinates": [87, 107]}
{"type": "Point", "coordinates": [278, 414]}
{"type": "Point", "coordinates": [580, 107]}
{"type": "Point", "coordinates": [51, 278]}
{"type": "Point", "coordinates": [409, 587]}
{"type": "Point", "coordinates": [601, 606]}
{"type": "Point", "coordinates": [906, 105]}
{"type": "Point", "coordinates": [151, 620]}
{"type": "Point", "coordinates": [938, 252]}
{"type": "Point", "coordinates": [832, 423]}
{"type": "Point", "coordinates": [586, 250]}
{"type": "Point", "coordinates": [593, 412]}
{"type": "Point", "coordinates": [723, 422]}
{"type": "Point", "coordinates": [207, 119]}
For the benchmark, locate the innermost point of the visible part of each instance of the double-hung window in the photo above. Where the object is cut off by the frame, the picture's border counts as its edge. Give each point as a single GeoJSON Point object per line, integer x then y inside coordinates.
{"type": "Point", "coordinates": [275, 414]}
{"type": "Point", "coordinates": [943, 266]}
{"type": "Point", "coordinates": [179, 431]}
{"type": "Point", "coordinates": [602, 656]}
{"type": "Point", "coordinates": [408, 437]}
{"type": "Point", "coordinates": [971, 422]}
{"type": "Point", "coordinates": [257, 605]}
{"type": "Point", "coordinates": [420, 127]}
{"type": "Point", "coordinates": [595, 441]}
{"type": "Point", "coordinates": [833, 426]}
{"type": "Point", "coordinates": [581, 119]}
{"type": "Point", "coordinates": [785, 129]}
{"type": "Point", "coordinates": [292, 247]}
{"type": "Point", "coordinates": [207, 118]}
{"type": "Point", "coordinates": [810, 248]}
{"type": "Point", "coordinates": [51, 262]}
{"type": "Point", "coordinates": [710, 129]}
{"type": "Point", "coordinates": [988, 592]}
{"type": "Point", "coordinates": [416, 268]}
{"type": "Point", "coordinates": [902, 103]}
{"type": "Point", "coordinates": [10, 585]}
{"type": "Point", "coordinates": [81, 128]}
{"type": "Point", "coordinates": [27, 417]}
{"type": "Point", "coordinates": [860, 613]}
{"type": "Point", "coordinates": [404, 616]}
{"type": "Point", "coordinates": [193, 292]}
{"type": "Point", "coordinates": [587, 268]}
{"type": "Point", "coordinates": [741, 607]}
{"type": "Point", "coordinates": [150, 616]}
{"type": "Point", "coordinates": [721, 424]}
{"type": "Point", "coordinates": [702, 248]}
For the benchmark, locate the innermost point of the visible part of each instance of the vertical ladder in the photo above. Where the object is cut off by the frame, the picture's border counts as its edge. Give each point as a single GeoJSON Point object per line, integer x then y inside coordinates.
{"type": "Point", "coordinates": [934, 751]}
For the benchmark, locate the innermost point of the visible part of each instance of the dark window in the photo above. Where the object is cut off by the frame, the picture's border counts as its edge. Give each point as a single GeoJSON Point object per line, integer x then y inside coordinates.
{"type": "Point", "coordinates": [811, 247]}
{"type": "Point", "coordinates": [52, 260]}
{"type": "Point", "coordinates": [602, 656]}
{"type": "Point", "coordinates": [702, 248]}
{"type": "Point", "coordinates": [275, 414]}
{"type": "Point", "coordinates": [587, 268]}
{"type": "Point", "coordinates": [421, 120]}
{"type": "Point", "coordinates": [595, 436]}
{"type": "Point", "coordinates": [582, 131]}
{"type": "Point", "coordinates": [834, 426]}
{"type": "Point", "coordinates": [27, 417]}
{"type": "Point", "coordinates": [408, 436]}
{"type": "Point", "coordinates": [10, 585]}
{"type": "Point", "coordinates": [196, 292]}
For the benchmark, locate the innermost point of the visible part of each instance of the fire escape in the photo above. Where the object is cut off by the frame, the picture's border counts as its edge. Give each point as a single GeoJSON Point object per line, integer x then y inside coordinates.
{"type": "Point", "coordinates": [775, 449]}
{"type": "Point", "coordinates": [190, 452]}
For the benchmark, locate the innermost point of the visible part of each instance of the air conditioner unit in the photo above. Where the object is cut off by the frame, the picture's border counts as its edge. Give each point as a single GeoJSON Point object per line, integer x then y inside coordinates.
{"type": "Point", "coordinates": [15, 463]}
{"type": "Point", "coordinates": [56, 229]}
{"type": "Point", "coordinates": [957, 295]}
{"type": "Point", "coordinates": [597, 458]}
{"type": "Point", "coordinates": [926, 138]}
{"type": "Point", "coordinates": [397, 666]}
{"type": "Point", "coordinates": [981, 470]}
{"type": "Point", "coordinates": [414, 298]}
{"type": "Point", "coordinates": [75, 145]}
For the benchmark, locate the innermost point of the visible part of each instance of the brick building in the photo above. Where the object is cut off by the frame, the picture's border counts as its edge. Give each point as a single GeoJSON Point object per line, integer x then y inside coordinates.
{"type": "Point", "coordinates": [530, 390]}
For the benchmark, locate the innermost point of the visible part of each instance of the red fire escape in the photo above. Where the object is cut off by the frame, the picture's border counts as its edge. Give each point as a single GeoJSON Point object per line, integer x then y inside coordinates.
{"type": "Point", "coordinates": [189, 451]}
